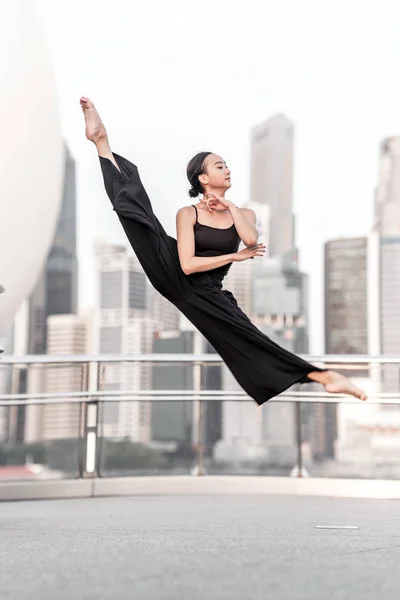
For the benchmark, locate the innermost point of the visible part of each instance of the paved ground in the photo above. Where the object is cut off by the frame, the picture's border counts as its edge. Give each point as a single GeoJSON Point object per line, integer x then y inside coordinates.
{"type": "Point", "coordinates": [200, 548]}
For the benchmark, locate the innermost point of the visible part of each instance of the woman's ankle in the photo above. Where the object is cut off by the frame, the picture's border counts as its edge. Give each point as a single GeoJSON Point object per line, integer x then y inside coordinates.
{"type": "Point", "coordinates": [322, 377]}
{"type": "Point", "coordinates": [103, 147]}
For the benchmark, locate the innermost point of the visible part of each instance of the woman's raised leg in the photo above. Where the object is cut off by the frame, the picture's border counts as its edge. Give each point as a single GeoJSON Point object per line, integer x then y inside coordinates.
{"type": "Point", "coordinates": [155, 249]}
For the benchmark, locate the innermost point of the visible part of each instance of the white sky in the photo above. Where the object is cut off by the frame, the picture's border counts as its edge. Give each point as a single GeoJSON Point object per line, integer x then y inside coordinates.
{"type": "Point", "coordinates": [173, 78]}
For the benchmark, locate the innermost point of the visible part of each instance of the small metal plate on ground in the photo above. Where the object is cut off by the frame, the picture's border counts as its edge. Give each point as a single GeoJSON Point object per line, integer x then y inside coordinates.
{"type": "Point", "coordinates": [336, 527]}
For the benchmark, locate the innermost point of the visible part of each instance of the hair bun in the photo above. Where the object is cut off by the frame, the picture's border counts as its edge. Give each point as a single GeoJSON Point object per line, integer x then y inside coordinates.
{"type": "Point", "coordinates": [193, 193]}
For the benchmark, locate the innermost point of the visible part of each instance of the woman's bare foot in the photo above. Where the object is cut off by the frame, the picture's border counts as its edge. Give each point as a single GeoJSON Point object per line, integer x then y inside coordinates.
{"type": "Point", "coordinates": [339, 384]}
{"type": "Point", "coordinates": [95, 130]}
{"type": "Point", "coordinates": [335, 383]}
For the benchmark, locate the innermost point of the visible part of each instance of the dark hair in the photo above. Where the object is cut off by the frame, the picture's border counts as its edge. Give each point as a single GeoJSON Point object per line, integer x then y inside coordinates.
{"type": "Point", "coordinates": [196, 167]}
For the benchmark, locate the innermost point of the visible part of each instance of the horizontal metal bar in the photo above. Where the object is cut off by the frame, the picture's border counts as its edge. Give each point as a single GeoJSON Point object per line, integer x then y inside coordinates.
{"type": "Point", "coordinates": [36, 359]}
{"type": "Point", "coordinates": [182, 396]}
{"type": "Point", "coordinates": [118, 393]}
{"type": "Point", "coordinates": [4, 398]}
{"type": "Point", "coordinates": [190, 394]}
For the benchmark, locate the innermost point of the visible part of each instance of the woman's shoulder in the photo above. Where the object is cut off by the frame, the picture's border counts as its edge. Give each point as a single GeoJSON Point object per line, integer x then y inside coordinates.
{"type": "Point", "coordinates": [187, 209]}
{"type": "Point", "coordinates": [187, 213]}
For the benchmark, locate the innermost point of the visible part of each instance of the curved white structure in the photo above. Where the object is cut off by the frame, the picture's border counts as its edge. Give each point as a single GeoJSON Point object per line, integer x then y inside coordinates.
{"type": "Point", "coordinates": [31, 154]}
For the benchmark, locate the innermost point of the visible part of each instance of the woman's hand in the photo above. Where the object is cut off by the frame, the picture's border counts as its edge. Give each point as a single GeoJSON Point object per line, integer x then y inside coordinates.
{"type": "Point", "coordinates": [211, 199]}
{"type": "Point", "coordinates": [247, 253]}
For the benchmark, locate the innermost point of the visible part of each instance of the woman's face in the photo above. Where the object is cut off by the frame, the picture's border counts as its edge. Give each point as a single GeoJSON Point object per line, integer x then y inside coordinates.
{"type": "Point", "coordinates": [217, 175]}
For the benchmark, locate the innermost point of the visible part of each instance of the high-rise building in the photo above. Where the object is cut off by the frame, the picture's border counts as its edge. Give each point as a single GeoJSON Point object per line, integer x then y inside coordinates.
{"type": "Point", "coordinates": [55, 292]}
{"type": "Point", "coordinates": [346, 298]}
{"type": "Point", "coordinates": [121, 288]}
{"type": "Point", "coordinates": [124, 326]}
{"type": "Point", "coordinates": [272, 178]}
{"type": "Point", "coordinates": [346, 325]}
{"type": "Point", "coordinates": [387, 226]}
{"type": "Point", "coordinates": [273, 292]}
{"type": "Point", "coordinates": [387, 196]}
{"type": "Point", "coordinates": [173, 421]}
{"type": "Point", "coordinates": [362, 315]}
{"type": "Point", "coordinates": [66, 334]}
{"type": "Point", "coordinates": [280, 301]}
{"type": "Point", "coordinates": [61, 267]}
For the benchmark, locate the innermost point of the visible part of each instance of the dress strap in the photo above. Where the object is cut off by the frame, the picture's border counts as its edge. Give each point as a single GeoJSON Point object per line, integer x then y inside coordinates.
{"type": "Point", "coordinates": [195, 208]}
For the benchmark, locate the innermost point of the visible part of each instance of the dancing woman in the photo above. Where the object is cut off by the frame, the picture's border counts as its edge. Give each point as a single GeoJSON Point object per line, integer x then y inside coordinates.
{"type": "Point", "coordinates": [189, 271]}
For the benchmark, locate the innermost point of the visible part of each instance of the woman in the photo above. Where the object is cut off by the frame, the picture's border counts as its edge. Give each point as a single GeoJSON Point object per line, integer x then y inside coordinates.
{"type": "Point", "coordinates": [189, 271]}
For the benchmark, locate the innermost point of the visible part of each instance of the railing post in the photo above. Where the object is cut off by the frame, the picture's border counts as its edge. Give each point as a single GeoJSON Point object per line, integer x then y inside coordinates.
{"type": "Point", "coordinates": [299, 440]}
{"type": "Point", "coordinates": [91, 415]}
{"type": "Point", "coordinates": [82, 422]}
{"type": "Point", "coordinates": [198, 408]}
{"type": "Point", "coordinates": [200, 451]}
{"type": "Point", "coordinates": [100, 385]}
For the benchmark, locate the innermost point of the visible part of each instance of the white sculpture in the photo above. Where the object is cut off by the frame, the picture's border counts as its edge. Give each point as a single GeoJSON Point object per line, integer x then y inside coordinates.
{"type": "Point", "coordinates": [31, 154]}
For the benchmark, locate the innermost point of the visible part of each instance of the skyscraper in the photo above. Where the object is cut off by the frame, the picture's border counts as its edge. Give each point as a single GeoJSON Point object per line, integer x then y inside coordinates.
{"type": "Point", "coordinates": [346, 309]}
{"type": "Point", "coordinates": [124, 326]}
{"type": "Point", "coordinates": [387, 226]}
{"type": "Point", "coordinates": [61, 268]}
{"type": "Point", "coordinates": [173, 420]}
{"type": "Point", "coordinates": [346, 325]}
{"type": "Point", "coordinates": [272, 178]}
{"type": "Point", "coordinates": [67, 334]}
{"type": "Point", "coordinates": [280, 300]}
{"type": "Point", "coordinates": [274, 294]}
{"type": "Point", "coordinates": [55, 292]}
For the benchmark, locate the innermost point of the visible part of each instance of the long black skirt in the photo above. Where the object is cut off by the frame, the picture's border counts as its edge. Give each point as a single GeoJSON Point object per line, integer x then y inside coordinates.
{"type": "Point", "coordinates": [261, 367]}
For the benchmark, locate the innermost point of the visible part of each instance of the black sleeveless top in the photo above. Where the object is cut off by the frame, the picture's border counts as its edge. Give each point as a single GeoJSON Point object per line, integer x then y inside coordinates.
{"type": "Point", "coordinates": [211, 241]}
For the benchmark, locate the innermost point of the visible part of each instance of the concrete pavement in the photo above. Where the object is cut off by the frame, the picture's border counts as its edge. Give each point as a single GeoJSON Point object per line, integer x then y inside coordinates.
{"type": "Point", "coordinates": [200, 547]}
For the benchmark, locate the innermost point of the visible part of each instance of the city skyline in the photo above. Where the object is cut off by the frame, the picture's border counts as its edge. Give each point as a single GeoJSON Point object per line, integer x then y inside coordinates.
{"type": "Point", "coordinates": [209, 96]}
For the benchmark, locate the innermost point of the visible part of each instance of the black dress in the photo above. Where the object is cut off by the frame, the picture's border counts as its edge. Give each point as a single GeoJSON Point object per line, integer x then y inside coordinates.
{"type": "Point", "coordinates": [261, 367]}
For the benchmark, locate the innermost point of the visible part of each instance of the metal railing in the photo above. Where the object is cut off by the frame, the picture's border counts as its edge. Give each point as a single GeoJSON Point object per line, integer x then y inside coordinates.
{"type": "Point", "coordinates": [92, 395]}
